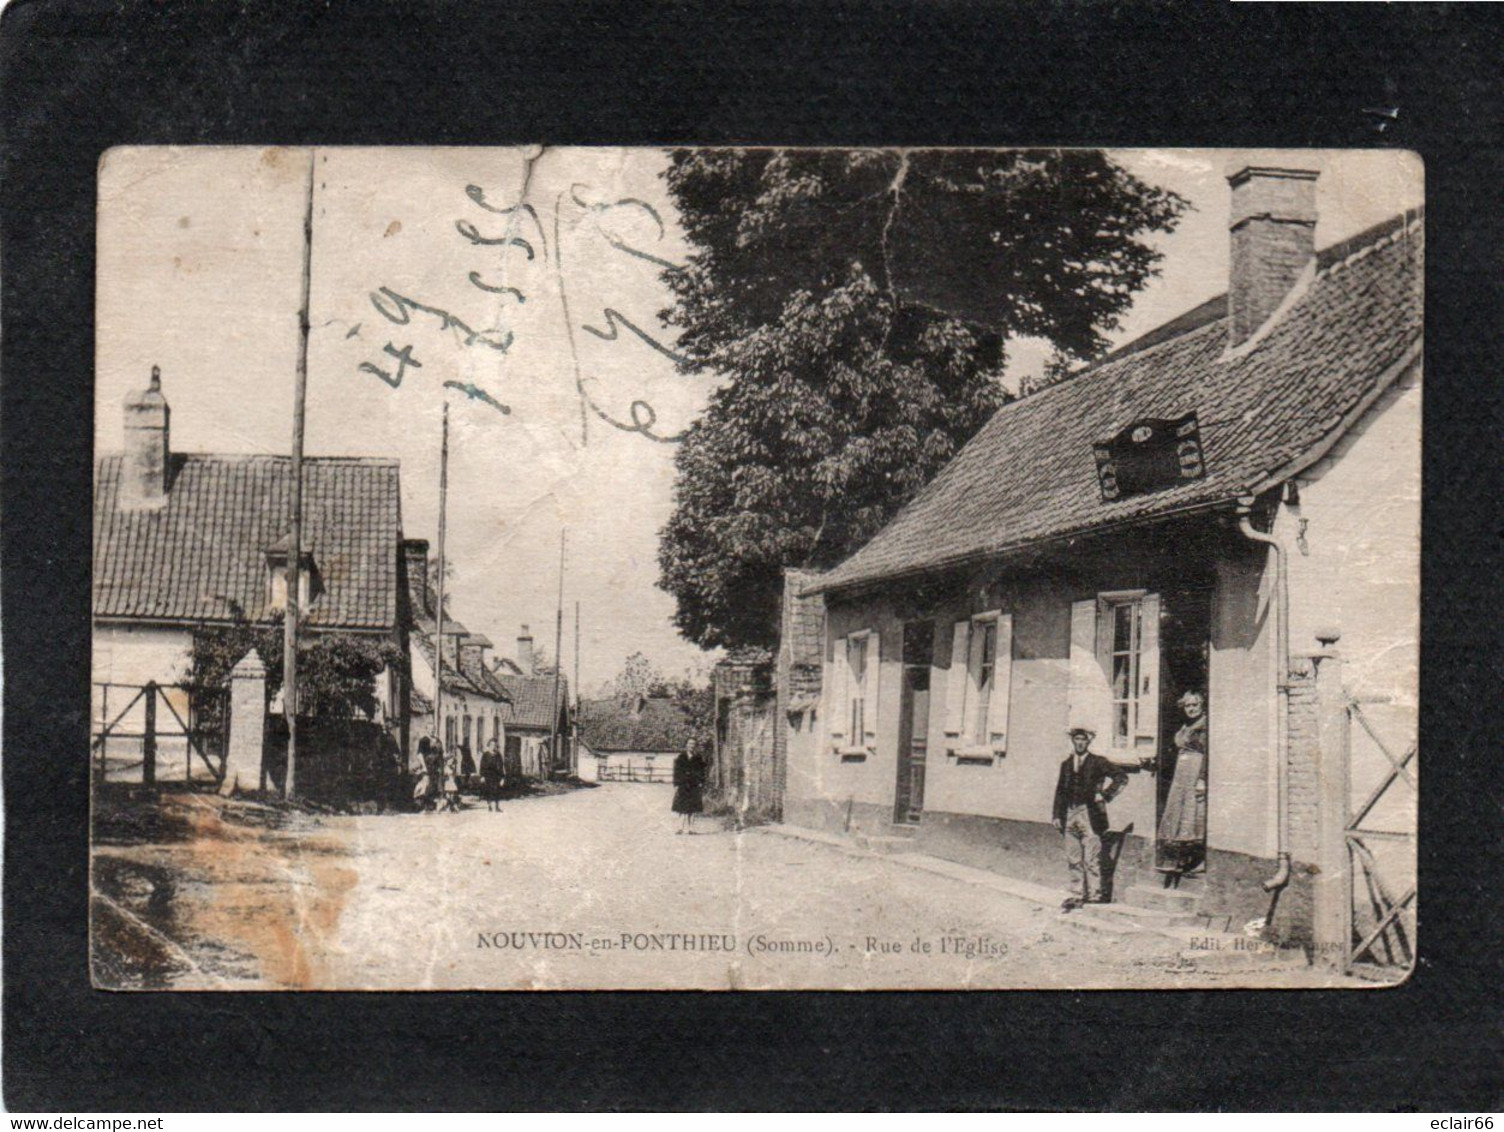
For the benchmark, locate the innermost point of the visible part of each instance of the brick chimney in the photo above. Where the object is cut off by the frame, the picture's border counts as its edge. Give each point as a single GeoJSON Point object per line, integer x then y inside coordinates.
{"type": "Point", "coordinates": [473, 652]}
{"type": "Point", "coordinates": [415, 566]}
{"type": "Point", "coordinates": [143, 471]}
{"type": "Point", "coordinates": [1273, 225]}
{"type": "Point", "coordinates": [525, 651]}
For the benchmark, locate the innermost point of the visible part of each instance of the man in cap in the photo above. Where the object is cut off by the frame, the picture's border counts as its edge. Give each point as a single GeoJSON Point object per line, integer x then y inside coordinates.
{"type": "Point", "coordinates": [1087, 783]}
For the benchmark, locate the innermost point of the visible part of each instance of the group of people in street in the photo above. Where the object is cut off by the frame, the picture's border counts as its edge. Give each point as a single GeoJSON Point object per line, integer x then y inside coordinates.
{"type": "Point", "coordinates": [1088, 782]}
{"type": "Point", "coordinates": [437, 789]}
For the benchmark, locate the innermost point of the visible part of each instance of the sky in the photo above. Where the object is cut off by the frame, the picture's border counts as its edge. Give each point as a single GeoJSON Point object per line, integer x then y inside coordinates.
{"type": "Point", "coordinates": [200, 259]}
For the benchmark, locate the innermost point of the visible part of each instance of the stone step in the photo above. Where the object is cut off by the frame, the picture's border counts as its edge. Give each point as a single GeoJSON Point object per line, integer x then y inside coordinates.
{"type": "Point", "coordinates": [1182, 900]}
{"type": "Point", "coordinates": [1156, 918]}
{"type": "Point", "coordinates": [884, 843]}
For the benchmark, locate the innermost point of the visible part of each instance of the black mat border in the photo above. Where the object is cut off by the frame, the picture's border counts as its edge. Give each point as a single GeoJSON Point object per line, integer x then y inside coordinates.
{"type": "Point", "coordinates": [80, 77]}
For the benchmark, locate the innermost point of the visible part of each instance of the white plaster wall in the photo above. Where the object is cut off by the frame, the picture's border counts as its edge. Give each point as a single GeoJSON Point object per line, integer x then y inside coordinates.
{"type": "Point", "coordinates": [1242, 777]}
{"type": "Point", "coordinates": [1361, 576]}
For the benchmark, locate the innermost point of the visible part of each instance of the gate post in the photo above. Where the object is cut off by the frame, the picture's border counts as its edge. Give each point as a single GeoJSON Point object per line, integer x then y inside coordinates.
{"type": "Point", "coordinates": [149, 739]}
{"type": "Point", "coordinates": [243, 749]}
{"type": "Point", "coordinates": [1332, 897]}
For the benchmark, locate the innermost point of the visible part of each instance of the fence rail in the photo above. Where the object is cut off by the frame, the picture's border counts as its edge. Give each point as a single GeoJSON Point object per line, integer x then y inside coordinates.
{"type": "Point", "coordinates": [138, 732]}
{"type": "Point", "coordinates": [630, 773]}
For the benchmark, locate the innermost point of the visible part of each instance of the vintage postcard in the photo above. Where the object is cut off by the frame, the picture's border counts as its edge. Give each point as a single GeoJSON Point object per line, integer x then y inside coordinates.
{"type": "Point", "coordinates": [533, 568]}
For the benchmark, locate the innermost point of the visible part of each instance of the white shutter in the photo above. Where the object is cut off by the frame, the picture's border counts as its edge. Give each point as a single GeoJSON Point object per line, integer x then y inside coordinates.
{"type": "Point", "coordinates": [1146, 735]}
{"type": "Point", "coordinates": [836, 707]}
{"type": "Point", "coordinates": [1002, 678]}
{"type": "Point", "coordinates": [955, 682]}
{"type": "Point", "coordinates": [872, 681]}
{"type": "Point", "coordinates": [1090, 695]}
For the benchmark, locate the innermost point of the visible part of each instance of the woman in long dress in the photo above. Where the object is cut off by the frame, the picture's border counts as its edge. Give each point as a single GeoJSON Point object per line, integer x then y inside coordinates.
{"type": "Point", "coordinates": [689, 786]}
{"type": "Point", "coordinates": [492, 773]}
{"type": "Point", "coordinates": [426, 790]}
{"type": "Point", "coordinates": [1182, 828]}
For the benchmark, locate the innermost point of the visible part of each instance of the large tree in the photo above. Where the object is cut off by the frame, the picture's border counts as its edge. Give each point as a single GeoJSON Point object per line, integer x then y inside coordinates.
{"type": "Point", "coordinates": [856, 306]}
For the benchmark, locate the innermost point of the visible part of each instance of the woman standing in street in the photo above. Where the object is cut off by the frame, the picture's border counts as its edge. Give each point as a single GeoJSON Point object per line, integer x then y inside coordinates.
{"type": "Point", "coordinates": [1182, 829]}
{"type": "Point", "coordinates": [689, 786]}
{"type": "Point", "coordinates": [492, 773]}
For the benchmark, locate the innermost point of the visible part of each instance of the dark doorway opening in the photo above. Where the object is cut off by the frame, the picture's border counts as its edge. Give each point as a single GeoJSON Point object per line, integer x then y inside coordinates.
{"type": "Point", "coordinates": [914, 721]}
{"type": "Point", "coordinates": [1182, 780]}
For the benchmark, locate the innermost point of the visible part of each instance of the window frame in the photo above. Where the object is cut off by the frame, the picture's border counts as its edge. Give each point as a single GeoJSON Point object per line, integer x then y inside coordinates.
{"type": "Point", "coordinates": [1108, 605]}
{"type": "Point", "coordinates": [857, 691]}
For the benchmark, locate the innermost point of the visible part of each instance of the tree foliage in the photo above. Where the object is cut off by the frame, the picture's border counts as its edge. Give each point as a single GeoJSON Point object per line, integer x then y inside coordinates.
{"type": "Point", "coordinates": [336, 671]}
{"type": "Point", "coordinates": [856, 306]}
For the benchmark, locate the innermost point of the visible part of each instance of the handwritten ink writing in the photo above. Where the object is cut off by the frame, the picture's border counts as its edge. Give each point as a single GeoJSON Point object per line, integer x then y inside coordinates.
{"type": "Point", "coordinates": [644, 418]}
{"type": "Point", "coordinates": [476, 393]}
{"type": "Point", "coordinates": [615, 318]}
{"type": "Point", "coordinates": [477, 281]}
{"type": "Point", "coordinates": [404, 358]}
{"type": "Point", "coordinates": [602, 207]}
{"type": "Point", "coordinates": [398, 308]}
{"type": "Point", "coordinates": [473, 234]}
{"type": "Point", "coordinates": [478, 196]}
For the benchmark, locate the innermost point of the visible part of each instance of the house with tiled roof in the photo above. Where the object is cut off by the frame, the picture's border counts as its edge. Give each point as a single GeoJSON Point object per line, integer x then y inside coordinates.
{"type": "Point", "coordinates": [184, 541]}
{"type": "Point", "coordinates": [632, 739]}
{"type": "Point", "coordinates": [1221, 507]}
{"type": "Point", "coordinates": [476, 707]}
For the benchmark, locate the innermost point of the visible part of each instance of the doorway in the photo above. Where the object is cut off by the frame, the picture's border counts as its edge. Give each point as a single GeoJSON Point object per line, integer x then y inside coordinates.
{"type": "Point", "coordinates": [1185, 652]}
{"type": "Point", "coordinates": [914, 721]}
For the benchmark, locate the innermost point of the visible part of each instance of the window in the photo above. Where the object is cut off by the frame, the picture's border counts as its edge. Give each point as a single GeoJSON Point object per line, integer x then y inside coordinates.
{"type": "Point", "coordinates": [983, 675]}
{"type": "Point", "coordinates": [276, 595]}
{"type": "Point", "coordinates": [448, 732]}
{"type": "Point", "coordinates": [1115, 670]}
{"type": "Point", "coordinates": [977, 688]}
{"type": "Point", "coordinates": [466, 741]}
{"type": "Point", "coordinates": [856, 664]}
{"type": "Point", "coordinates": [1125, 636]}
{"type": "Point", "coordinates": [851, 689]}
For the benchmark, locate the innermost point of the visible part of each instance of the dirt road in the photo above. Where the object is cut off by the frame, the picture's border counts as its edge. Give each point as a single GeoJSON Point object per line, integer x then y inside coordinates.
{"type": "Point", "coordinates": [589, 888]}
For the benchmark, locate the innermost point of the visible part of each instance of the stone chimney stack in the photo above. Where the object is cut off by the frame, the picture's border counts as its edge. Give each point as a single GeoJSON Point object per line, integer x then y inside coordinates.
{"type": "Point", "coordinates": [473, 652]}
{"type": "Point", "coordinates": [143, 471]}
{"type": "Point", "coordinates": [1273, 225]}
{"type": "Point", "coordinates": [415, 564]}
{"type": "Point", "coordinates": [525, 651]}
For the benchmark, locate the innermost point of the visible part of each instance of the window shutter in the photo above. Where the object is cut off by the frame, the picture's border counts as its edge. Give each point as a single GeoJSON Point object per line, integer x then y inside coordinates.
{"type": "Point", "coordinates": [1002, 669]}
{"type": "Point", "coordinates": [1146, 735]}
{"type": "Point", "coordinates": [835, 681]}
{"type": "Point", "coordinates": [873, 680]}
{"type": "Point", "coordinates": [1090, 695]}
{"type": "Point", "coordinates": [956, 680]}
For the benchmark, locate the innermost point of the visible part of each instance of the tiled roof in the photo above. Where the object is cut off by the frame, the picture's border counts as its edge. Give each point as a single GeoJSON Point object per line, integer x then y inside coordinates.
{"type": "Point", "coordinates": [532, 700]}
{"type": "Point", "coordinates": [612, 725]}
{"type": "Point", "coordinates": [454, 679]}
{"type": "Point", "coordinates": [206, 546]}
{"type": "Point", "coordinates": [1030, 475]}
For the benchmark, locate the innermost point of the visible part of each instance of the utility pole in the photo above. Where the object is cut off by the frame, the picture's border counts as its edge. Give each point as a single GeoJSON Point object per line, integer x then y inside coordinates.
{"type": "Point", "coordinates": [438, 637]}
{"type": "Point", "coordinates": [553, 744]}
{"type": "Point", "coordinates": [574, 746]}
{"type": "Point", "coordinates": [295, 536]}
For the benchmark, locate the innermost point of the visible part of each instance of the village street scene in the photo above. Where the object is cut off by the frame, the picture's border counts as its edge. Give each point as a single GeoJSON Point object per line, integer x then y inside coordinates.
{"type": "Point", "coordinates": [735, 569]}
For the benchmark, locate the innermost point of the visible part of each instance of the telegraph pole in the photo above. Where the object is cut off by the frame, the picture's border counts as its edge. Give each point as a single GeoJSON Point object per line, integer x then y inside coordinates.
{"type": "Point", "coordinates": [553, 746]}
{"type": "Point", "coordinates": [438, 642]}
{"type": "Point", "coordinates": [295, 536]}
{"type": "Point", "coordinates": [574, 746]}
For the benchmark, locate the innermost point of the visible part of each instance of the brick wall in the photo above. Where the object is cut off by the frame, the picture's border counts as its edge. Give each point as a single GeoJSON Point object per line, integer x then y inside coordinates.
{"type": "Point", "coordinates": [1304, 760]}
{"type": "Point", "coordinates": [1267, 258]}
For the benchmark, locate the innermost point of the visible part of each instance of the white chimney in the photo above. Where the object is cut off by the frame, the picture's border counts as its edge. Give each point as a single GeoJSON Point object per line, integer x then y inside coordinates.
{"type": "Point", "coordinates": [525, 651]}
{"type": "Point", "coordinates": [1273, 227]}
{"type": "Point", "coordinates": [143, 470]}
